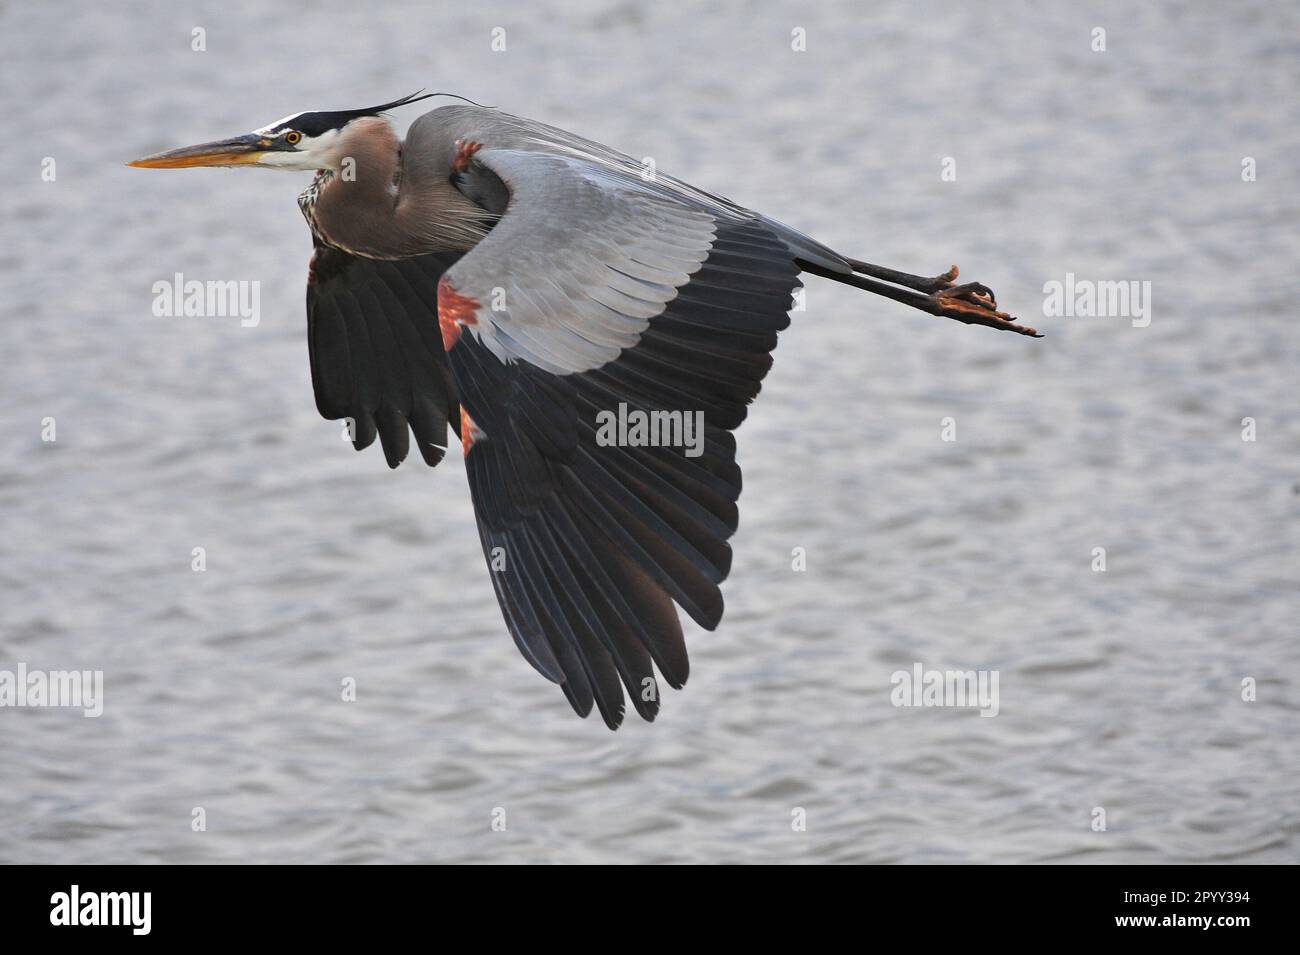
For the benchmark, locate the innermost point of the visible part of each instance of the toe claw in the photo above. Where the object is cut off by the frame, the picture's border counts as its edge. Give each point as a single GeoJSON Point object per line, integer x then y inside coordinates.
{"type": "Point", "coordinates": [941, 282]}
{"type": "Point", "coordinates": [976, 292]}
{"type": "Point", "coordinates": [465, 150]}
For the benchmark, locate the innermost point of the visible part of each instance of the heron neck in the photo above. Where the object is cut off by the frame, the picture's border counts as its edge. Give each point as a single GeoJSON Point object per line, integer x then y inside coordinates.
{"type": "Point", "coordinates": [371, 204]}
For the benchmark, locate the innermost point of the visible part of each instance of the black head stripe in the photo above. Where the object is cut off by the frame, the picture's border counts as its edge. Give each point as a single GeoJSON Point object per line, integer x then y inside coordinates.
{"type": "Point", "coordinates": [314, 124]}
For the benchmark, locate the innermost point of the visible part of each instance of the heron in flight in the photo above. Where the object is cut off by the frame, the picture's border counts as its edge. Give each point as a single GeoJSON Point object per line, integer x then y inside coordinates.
{"type": "Point", "coordinates": [567, 281]}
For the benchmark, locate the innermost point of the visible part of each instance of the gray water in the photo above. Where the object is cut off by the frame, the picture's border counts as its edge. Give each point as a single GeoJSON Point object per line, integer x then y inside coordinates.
{"type": "Point", "coordinates": [1119, 690]}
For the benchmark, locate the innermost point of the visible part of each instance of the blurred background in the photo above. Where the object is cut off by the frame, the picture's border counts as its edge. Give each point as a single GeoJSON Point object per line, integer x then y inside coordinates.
{"type": "Point", "coordinates": [1119, 689]}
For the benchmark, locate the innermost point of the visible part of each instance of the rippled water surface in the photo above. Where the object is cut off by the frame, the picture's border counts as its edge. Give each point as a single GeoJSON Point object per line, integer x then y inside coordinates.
{"type": "Point", "coordinates": [1119, 690]}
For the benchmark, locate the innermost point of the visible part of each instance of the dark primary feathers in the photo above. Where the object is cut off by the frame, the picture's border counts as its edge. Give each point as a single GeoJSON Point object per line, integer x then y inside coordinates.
{"type": "Point", "coordinates": [598, 542]}
{"type": "Point", "coordinates": [376, 355]}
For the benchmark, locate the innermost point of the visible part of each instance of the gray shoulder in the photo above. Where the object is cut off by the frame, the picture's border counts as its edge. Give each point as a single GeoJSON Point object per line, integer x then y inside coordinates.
{"type": "Point", "coordinates": [488, 126]}
{"type": "Point", "coordinates": [439, 129]}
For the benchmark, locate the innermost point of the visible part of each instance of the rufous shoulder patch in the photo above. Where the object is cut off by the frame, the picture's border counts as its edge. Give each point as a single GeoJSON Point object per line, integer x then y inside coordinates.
{"type": "Point", "coordinates": [470, 433]}
{"type": "Point", "coordinates": [454, 312]}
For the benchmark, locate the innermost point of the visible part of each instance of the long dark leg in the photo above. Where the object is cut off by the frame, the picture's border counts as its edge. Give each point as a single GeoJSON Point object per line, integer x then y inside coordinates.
{"type": "Point", "coordinates": [895, 277]}
{"type": "Point", "coordinates": [944, 284]}
{"type": "Point", "coordinates": [971, 303]}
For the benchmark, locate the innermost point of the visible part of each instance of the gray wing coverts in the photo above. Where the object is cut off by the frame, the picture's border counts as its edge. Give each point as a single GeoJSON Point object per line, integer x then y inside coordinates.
{"type": "Point", "coordinates": [588, 250]}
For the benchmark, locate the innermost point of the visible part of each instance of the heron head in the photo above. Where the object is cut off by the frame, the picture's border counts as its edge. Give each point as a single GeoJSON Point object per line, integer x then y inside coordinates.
{"type": "Point", "coordinates": [302, 141]}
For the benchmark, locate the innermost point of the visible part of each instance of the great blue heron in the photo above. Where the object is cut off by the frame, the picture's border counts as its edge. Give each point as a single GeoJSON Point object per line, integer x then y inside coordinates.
{"type": "Point", "coordinates": [586, 284]}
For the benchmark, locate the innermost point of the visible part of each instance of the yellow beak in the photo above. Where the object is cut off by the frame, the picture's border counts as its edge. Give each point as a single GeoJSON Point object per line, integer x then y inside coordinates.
{"type": "Point", "coordinates": [240, 151]}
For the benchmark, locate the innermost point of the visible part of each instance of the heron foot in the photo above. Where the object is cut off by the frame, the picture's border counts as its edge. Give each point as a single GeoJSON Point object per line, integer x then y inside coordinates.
{"type": "Point", "coordinates": [465, 150]}
{"type": "Point", "coordinates": [974, 304]}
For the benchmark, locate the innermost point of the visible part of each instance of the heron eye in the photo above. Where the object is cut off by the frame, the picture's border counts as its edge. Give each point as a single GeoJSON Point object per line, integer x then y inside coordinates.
{"type": "Point", "coordinates": [293, 137]}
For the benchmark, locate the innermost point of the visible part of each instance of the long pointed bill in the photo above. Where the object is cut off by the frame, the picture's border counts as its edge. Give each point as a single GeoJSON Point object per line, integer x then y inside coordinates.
{"type": "Point", "coordinates": [240, 151]}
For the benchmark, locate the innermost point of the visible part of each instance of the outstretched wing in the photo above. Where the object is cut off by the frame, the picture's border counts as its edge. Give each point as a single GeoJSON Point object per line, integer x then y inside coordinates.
{"type": "Point", "coordinates": [599, 300]}
{"type": "Point", "coordinates": [376, 354]}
